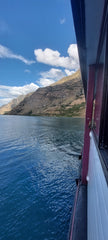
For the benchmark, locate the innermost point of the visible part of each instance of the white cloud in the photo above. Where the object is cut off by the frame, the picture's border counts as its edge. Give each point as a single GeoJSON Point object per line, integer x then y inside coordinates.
{"type": "Point", "coordinates": [53, 58]}
{"type": "Point", "coordinates": [27, 71]}
{"type": "Point", "coordinates": [68, 72]}
{"type": "Point", "coordinates": [7, 93]}
{"type": "Point", "coordinates": [4, 101]}
{"type": "Point", "coordinates": [62, 20]}
{"type": "Point", "coordinates": [53, 73]}
{"type": "Point", "coordinates": [44, 82]}
{"type": "Point", "coordinates": [51, 76]}
{"type": "Point", "coordinates": [73, 51]}
{"type": "Point", "coordinates": [7, 53]}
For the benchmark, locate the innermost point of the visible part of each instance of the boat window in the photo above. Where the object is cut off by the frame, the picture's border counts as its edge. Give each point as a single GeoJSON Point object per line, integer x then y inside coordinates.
{"type": "Point", "coordinates": [103, 141]}
{"type": "Point", "coordinates": [98, 91]}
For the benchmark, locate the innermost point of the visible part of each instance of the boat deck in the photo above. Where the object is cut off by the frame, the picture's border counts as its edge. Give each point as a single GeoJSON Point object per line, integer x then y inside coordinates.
{"type": "Point", "coordinates": [79, 231]}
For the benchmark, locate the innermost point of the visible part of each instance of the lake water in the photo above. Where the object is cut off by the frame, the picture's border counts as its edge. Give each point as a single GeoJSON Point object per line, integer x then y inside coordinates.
{"type": "Point", "coordinates": [38, 166]}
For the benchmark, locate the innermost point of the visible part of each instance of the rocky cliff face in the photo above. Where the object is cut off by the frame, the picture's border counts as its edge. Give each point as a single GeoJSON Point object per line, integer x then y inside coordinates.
{"type": "Point", "coordinates": [64, 98]}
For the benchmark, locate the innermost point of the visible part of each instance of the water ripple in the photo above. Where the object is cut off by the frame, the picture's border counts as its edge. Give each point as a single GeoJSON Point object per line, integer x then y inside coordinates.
{"type": "Point", "coordinates": [38, 165]}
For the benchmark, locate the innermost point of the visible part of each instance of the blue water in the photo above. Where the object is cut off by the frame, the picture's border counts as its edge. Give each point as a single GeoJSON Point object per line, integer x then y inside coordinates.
{"type": "Point", "coordinates": [38, 166]}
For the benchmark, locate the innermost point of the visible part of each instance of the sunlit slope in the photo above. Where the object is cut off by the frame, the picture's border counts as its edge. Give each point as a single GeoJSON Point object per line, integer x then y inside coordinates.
{"type": "Point", "coordinates": [74, 77]}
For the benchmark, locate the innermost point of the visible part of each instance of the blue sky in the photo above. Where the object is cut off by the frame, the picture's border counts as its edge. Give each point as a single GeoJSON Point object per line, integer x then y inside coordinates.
{"type": "Point", "coordinates": [37, 45]}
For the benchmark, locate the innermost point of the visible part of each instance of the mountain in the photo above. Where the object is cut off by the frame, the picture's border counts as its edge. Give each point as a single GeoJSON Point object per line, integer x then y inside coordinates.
{"type": "Point", "coordinates": [8, 107]}
{"type": "Point", "coordinates": [63, 98]}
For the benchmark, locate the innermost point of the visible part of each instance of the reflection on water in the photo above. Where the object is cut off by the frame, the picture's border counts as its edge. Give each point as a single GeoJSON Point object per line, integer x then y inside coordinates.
{"type": "Point", "coordinates": [38, 165]}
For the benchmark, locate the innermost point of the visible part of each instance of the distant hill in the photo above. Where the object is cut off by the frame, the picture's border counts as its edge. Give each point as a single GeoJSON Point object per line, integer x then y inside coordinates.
{"type": "Point", "coordinates": [8, 107]}
{"type": "Point", "coordinates": [63, 98]}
